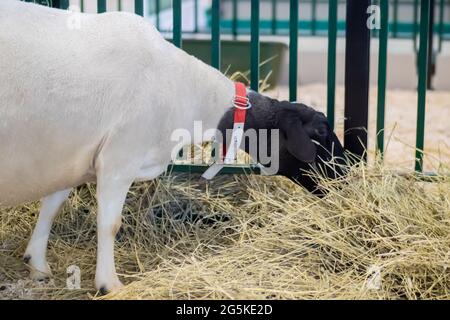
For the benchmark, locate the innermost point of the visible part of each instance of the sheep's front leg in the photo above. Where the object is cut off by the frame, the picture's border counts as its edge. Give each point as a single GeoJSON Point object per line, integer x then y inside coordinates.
{"type": "Point", "coordinates": [111, 194]}
{"type": "Point", "coordinates": [37, 246]}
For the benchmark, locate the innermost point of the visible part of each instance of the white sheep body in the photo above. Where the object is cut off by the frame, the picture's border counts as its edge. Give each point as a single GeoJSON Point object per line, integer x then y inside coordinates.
{"type": "Point", "coordinates": [97, 103]}
{"type": "Point", "coordinates": [65, 94]}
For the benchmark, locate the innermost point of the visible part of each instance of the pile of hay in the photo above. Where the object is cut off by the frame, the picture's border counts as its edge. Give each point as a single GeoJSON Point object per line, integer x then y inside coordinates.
{"type": "Point", "coordinates": [375, 236]}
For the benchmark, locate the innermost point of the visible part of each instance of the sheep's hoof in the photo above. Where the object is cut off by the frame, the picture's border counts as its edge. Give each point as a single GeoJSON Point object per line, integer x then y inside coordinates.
{"type": "Point", "coordinates": [104, 289]}
{"type": "Point", "coordinates": [26, 258]}
{"type": "Point", "coordinates": [39, 276]}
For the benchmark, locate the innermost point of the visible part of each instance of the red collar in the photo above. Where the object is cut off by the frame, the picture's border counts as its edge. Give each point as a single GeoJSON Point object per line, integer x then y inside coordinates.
{"type": "Point", "coordinates": [241, 104]}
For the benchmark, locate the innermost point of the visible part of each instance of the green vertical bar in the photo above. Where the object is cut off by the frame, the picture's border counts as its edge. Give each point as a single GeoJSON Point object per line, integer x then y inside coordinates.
{"type": "Point", "coordinates": [119, 5]}
{"type": "Point", "coordinates": [273, 23]}
{"type": "Point", "coordinates": [82, 5]}
{"type": "Point", "coordinates": [177, 21]}
{"type": "Point", "coordinates": [395, 30]}
{"type": "Point", "coordinates": [441, 23]}
{"type": "Point", "coordinates": [158, 10]}
{"type": "Point", "coordinates": [101, 6]}
{"type": "Point", "coordinates": [313, 17]}
{"type": "Point", "coordinates": [331, 64]}
{"type": "Point", "coordinates": [254, 57]}
{"type": "Point", "coordinates": [64, 4]}
{"type": "Point", "coordinates": [293, 49]}
{"type": "Point", "coordinates": [196, 16]}
{"type": "Point", "coordinates": [416, 29]}
{"type": "Point", "coordinates": [422, 86]}
{"type": "Point", "coordinates": [215, 34]}
{"type": "Point", "coordinates": [234, 27]}
{"type": "Point", "coordinates": [139, 7]}
{"type": "Point", "coordinates": [382, 66]}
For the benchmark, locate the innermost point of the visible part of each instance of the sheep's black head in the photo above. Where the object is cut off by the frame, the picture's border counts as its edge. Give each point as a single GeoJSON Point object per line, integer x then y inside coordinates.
{"type": "Point", "coordinates": [306, 145]}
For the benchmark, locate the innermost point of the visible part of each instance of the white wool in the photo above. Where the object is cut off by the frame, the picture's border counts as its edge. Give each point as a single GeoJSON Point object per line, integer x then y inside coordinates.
{"type": "Point", "coordinates": [97, 103]}
{"type": "Point", "coordinates": [66, 93]}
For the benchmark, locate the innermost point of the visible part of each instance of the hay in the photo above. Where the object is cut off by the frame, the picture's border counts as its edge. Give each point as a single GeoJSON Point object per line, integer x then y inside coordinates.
{"type": "Point", "coordinates": [250, 238]}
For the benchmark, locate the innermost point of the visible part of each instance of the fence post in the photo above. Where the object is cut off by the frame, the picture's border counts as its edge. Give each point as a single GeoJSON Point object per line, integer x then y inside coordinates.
{"type": "Point", "coordinates": [382, 66]}
{"type": "Point", "coordinates": [422, 85]}
{"type": "Point", "coordinates": [157, 11]}
{"type": "Point", "coordinates": [313, 17]}
{"type": "Point", "coordinates": [431, 65]}
{"type": "Point", "coordinates": [357, 60]}
{"type": "Point", "coordinates": [254, 64]}
{"type": "Point", "coordinates": [441, 23]}
{"type": "Point", "coordinates": [139, 7]}
{"type": "Point", "coordinates": [395, 25]}
{"type": "Point", "coordinates": [64, 4]}
{"type": "Point", "coordinates": [195, 16]}
{"type": "Point", "coordinates": [177, 23]}
{"type": "Point", "coordinates": [331, 63]}
{"type": "Point", "coordinates": [55, 3]}
{"type": "Point", "coordinates": [293, 50]}
{"type": "Point", "coordinates": [215, 35]}
{"type": "Point", "coordinates": [234, 25]}
{"type": "Point", "coordinates": [101, 6]}
{"type": "Point", "coordinates": [273, 22]}
{"type": "Point", "coordinates": [415, 31]}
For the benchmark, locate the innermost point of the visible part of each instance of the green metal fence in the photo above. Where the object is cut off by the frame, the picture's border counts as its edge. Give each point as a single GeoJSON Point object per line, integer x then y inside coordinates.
{"type": "Point", "coordinates": [390, 27]}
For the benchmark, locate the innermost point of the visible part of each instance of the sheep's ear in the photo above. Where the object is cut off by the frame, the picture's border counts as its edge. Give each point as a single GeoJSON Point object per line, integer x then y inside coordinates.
{"type": "Point", "coordinates": [298, 142]}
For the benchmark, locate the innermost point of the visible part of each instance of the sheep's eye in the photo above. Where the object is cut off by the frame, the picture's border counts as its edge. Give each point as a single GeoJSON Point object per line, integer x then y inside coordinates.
{"type": "Point", "coordinates": [321, 131]}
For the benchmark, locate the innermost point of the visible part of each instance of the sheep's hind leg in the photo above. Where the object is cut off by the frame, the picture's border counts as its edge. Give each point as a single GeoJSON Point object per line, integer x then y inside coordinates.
{"type": "Point", "coordinates": [35, 254]}
{"type": "Point", "coordinates": [111, 194]}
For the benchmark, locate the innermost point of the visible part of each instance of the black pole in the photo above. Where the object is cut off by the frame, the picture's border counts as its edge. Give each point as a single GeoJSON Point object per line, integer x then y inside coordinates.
{"type": "Point", "coordinates": [431, 61]}
{"type": "Point", "coordinates": [357, 65]}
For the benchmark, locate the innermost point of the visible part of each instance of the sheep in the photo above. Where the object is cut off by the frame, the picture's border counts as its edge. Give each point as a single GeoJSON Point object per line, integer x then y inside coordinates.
{"type": "Point", "coordinates": [299, 124]}
{"type": "Point", "coordinates": [99, 104]}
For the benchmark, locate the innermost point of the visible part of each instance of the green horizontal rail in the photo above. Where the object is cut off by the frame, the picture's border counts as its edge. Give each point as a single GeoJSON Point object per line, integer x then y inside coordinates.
{"type": "Point", "coordinates": [405, 30]}
{"type": "Point", "coordinates": [254, 169]}
{"type": "Point", "coordinates": [201, 168]}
